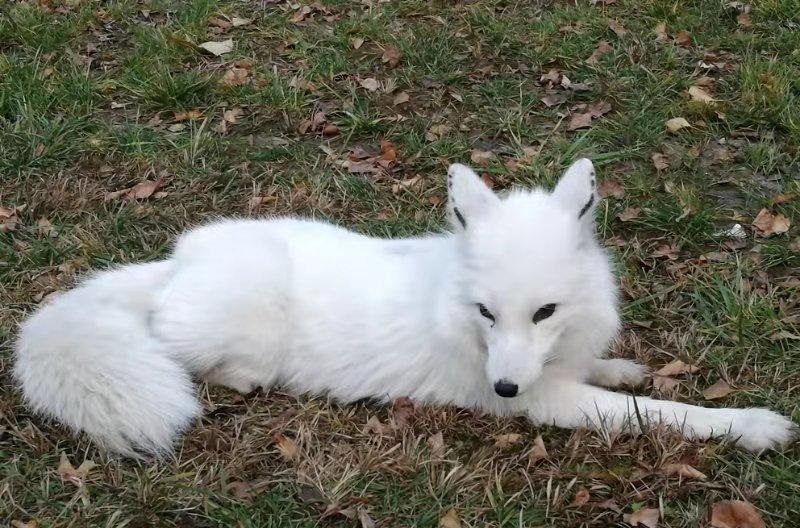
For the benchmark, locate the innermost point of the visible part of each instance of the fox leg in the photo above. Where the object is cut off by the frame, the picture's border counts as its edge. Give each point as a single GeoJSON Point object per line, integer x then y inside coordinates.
{"type": "Point", "coordinates": [571, 404]}
{"type": "Point", "coordinates": [616, 372]}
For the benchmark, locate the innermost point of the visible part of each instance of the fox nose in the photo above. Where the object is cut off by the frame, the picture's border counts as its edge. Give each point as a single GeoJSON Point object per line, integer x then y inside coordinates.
{"type": "Point", "coordinates": [505, 388]}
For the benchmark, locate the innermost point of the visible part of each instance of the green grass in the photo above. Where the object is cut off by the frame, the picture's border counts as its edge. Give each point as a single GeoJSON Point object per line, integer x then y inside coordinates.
{"type": "Point", "coordinates": [88, 96]}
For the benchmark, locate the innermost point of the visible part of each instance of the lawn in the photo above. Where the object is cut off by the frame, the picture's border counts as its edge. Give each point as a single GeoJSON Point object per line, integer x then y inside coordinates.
{"type": "Point", "coordinates": [118, 130]}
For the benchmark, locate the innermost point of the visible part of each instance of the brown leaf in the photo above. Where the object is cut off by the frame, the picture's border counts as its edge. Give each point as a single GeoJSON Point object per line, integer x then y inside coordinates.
{"type": "Point", "coordinates": [436, 445]}
{"type": "Point", "coordinates": [357, 42]}
{"type": "Point", "coordinates": [735, 514]}
{"type": "Point", "coordinates": [669, 251]}
{"type": "Point", "coordinates": [718, 390]}
{"type": "Point", "coordinates": [374, 426]}
{"type": "Point", "coordinates": [683, 39]}
{"type": "Point", "coordinates": [617, 27]}
{"type": "Point", "coordinates": [241, 490]}
{"type": "Point", "coordinates": [677, 367]}
{"type": "Point", "coordinates": [371, 84]}
{"type": "Point", "coordinates": [610, 187]}
{"type": "Point", "coordinates": [661, 33]}
{"type": "Point", "coordinates": [683, 470]}
{"type": "Point", "coordinates": [744, 20]}
{"type": "Point", "coordinates": [538, 452]}
{"type": "Point", "coordinates": [552, 77]}
{"type": "Point", "coordinates": [784, 198]}
{"type": "Point", "coordinates": [45, 228]}
{"type": "Point", "coordinates": [67, 471]}
{"type": "Point", "coordinates": [581, 498]}
{"type": "Point", "coordinates": [391, 56]}
{"type": "Point", "coordinates": [664, 383]}
{"type": "Point", "coordinates": [481, 157]}
{"type": "Point", "coordinates": [239, 22]}
{"type": "Point", "coordinates": [647, 517]}
{"type": "Point", "coordinates": [218, 48]}
{"type": "Point", "coordinates": [630, 213]}
{"type": "Point", "coordinates": [769, 224]}
{"type": "Point", "coordinates": [609, 504]}
{"type": "Point", "coordinates": [580, 121]}
{"type": "Point", "coordinates": [552, 100]}
{"type": "Point", "coordinates": [699, 95]}
{"type": "Point", "coordinates": [401, 98]}
{"type": "Point", "coordinates": [677, 123]}
{"type": "Point", "coordinates": [365, 520]}
{"type": "Point", "coordinates": [301, 14]}
{"type": "Point", "coordinates": [235, 77]}
{"type": "Point", "coordinates": [450, 520]}
{"type": "Point", "coordinates": [189, 115]}
{"type": "Point", "coordinates": [287, 447]}
{"type": "Point", "coordinates": [505, 441]}
{"type": "Point", "coordinates": [219, 22]}
{"type": "Point", "coordinates": [602, 49]}
{"type": "Point", "coordinates": [660, 161]}
{"type": "Point", "coordinates": [20, 524]}
{"type": "Point", "coordinates": [402, 410]}
{"type": "Point", "coordinates": [145, 189]}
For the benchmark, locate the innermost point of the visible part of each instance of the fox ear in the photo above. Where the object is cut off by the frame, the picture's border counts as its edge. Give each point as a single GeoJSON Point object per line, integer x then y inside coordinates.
{"type": "Point", "coordinates": [577, 190]}
{"type": "Point", "coordinates": [469, 197]}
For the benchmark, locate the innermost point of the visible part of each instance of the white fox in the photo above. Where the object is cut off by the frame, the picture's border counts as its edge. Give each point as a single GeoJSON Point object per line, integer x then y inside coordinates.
{"type": "Point", "coordinates": [510, 313]}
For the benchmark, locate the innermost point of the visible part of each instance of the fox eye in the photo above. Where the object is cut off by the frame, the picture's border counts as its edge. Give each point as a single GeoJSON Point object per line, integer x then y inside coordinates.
{"type": "Point", "coordinates": [544, 312]}
{"type": "Point", "coordinates": [485, 312]}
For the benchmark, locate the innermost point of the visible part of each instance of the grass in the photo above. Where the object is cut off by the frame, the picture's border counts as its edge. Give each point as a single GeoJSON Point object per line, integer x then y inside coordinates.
{"type": "Point", "coordinates": [88, 96]}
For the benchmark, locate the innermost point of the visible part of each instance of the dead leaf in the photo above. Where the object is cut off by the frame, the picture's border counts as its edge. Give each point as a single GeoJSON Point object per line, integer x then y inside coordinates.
{"type": "Point", "coordinates": [391, 56]}
{"type": "Point", "coordinates": [769, 224]}
{"type": "Point", "coordinates": [371, 84]}
{"type": "Point", "coordinates": [580, 121]}
{"type": "Point", "coordinates": [611, 187]}
{"type": "Point", "coordinates": [401, 98]}
{"type": "Point", "coordinates": [357, 42]}
{"type": "Point", "coordinates": [505, 441]}
{"type": "Point", "coordinates": [365, 520]}
{"type": "Point", "coordinates": [677, 123]}
{"type": "Point", "coordinates": [301, 14]}
{"type": "Point", "coordinates": [744, 20]}
{"type": "Point", "coordinates": [45, 228]}
{"type": "Point", "coordinates": [661, 33]}
{"type": "Point", "coordinates": [660, 161]}
{"type": "Point", "coordinates": [718, 390]}
{"type": "Point", "coordinates": [538, 452]}
{"type": "Point", "coordinates": [235, 77]}
{"type": "Point", "coordinates": [602, 49]}
{"type": "Point", "coordinates": [552, 77]}
{"type": "Point", "coordinates": [374, 426]}
{"type": "Point", "coordinates": [239, 22]}
{"type": "Point", "coordinates": [241, 490]}
{"type": "Point", "coordinates": [20, 524]}
{"type": "Point", "coordinates": [219, 23]}
{"type": "Point", "coordinates": [218, 48]}
{"type": "Point", "coordinates": [481, 157]}
{"type": "Point", "coordinates": [437, 131]}
{"type": "Point", "coordinates": [683, 470]}
{"type": "Point", "coordinates": [436, 445]}
{"type": "Point", "coordinates": [664, 383]}
{"type": "Point", "coordinates": [189, 115]}
{"type": "Point", "coordinates": [609, 504]}
{"type": "Point", "coordinates": [629, 213]}
{"type": "Point", "coordinates": [677, 367]}
{"type": "Point", "coordinates": [647, 517]}
{"type": "Point", "coordinates": [552, 100]}
{"type": "Point", "coordinates": [735, 514]}
{"type": "Point", "coordinates": [315, 124]}
{"type": "Point", "coordinates": [617, 27]}
{"type": "Point", "coordinates": [683, 39]}
{"type": "Point", "coordinates": [8, 220]}
{"type": "Point", "coordinates": [699, 95]}
{"type": "Point", "coordinates": [67, 471]}
{"type": "Point", "coordinates": [581, 498]}
{"type": "Point", "coordinates": [402, 410]}
{"type": "Point", "coordinates": [287, 447]}
{"type": "Point", "coordinates": [450, 520]}
{"type": "Point", "coordinates": [784, 198]}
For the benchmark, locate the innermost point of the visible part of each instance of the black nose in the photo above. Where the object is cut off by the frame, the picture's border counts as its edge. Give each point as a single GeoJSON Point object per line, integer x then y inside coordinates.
{"type": "Point", "coordinates": [505, 388]}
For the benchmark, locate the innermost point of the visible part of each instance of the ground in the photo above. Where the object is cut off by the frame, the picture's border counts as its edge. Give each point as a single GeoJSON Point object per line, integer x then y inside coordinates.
{"type": "Point", "coordinates": [117, 130]}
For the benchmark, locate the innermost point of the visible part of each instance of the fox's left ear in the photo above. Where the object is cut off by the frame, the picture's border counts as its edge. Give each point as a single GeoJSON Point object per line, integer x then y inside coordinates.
{"type": "Point", "coordinates": [469, 197]}
{"type": "Point", "coordinates": [577, 190]}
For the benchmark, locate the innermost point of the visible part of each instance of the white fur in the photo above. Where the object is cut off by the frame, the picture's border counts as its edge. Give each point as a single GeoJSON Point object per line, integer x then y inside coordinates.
{"type": "Point", "coordinates": [323, 310]}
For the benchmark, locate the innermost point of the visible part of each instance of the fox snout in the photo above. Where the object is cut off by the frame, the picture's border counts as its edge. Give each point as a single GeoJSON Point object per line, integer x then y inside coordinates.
{"type": "Point", "coordinates": [506, 388]}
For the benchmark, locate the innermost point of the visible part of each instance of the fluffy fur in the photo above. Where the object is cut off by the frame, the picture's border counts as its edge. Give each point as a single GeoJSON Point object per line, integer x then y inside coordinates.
{"type": "Point", "coordinates": [518, 300]}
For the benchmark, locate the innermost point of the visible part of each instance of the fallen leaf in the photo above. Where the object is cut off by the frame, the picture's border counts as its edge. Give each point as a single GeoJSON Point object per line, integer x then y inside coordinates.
{"type": "Point", "coordinates": [219, 23]}
{"type": "Point", "coordinates": [581, 498]}
{"type": "Point", "coordinates": [676, 367]}
{"type": "Point", "coordinates": [553, 100]}
{"type": "Point", "coordinates": [735, 514]}
{"type": "Point", "coordinates": [660, 161]}
{"type": "Point", "coordinates": [177, 127]}
{"type": "Point", "coordinates": [315, 124]}
{"type": "Point", "coordinates": [371, 84]}
{"type": "Point", "coordinates": [374, 426]}
{"type": "Point", "coordinates": [602, 49]}
{"type": "Point", "coordinates": [239, 22]}
{"type": "Point", "coordinates": [8, 220]}
{"type": "Point", "coordinates": [611, 187]}
{"type": "Point", "coordinates": [552, 77]}
{"type": "Point", "coordinates": [481, 157]}
{"type": "Point", "coordinates": [287, 447]}
{"type": "Point", "coordinates": [505, 441]}
{"type": "Point", "coordinates": [683, 470]}
{"type": "Point", "coordinates": [20, 524]}
{"type": "Point", "coordinates": [45, 228]}
{"type": "Point", "coordinates": [677, 123]}
{"type": "Point", "coordinates": [437, 131]}
{"type": "Point", "coordinates": [357, 42]}
{"type": "Point", "coordinates": [218, 48]}
{"type": "Point", "coordinates": [450, 520]}
{"type": "Point", "coordinates": [189, 115]}
{"type": "Point", "coordinates": [241, 490]}
{"type": "Point", "coordinates": [683, 39]}
{"type": "Point", "coordinates": [718, 390]}
{"type": "Point", "coordinates": [744, 20]}
{"type": "Point", "coordinates": [235, 77]}
{"type": "Point", "coordinates": [539, 451]}
{"type": "Point", "coordinates": [401, 98]}
{"type": "Point", "coordinates": [769, 224]}
{"type": "Point", "coordinates": [436, 445]}
{"type": "Point", "coordinates": [67, 471]}
{"type": "Point", "coordinates": [391, 56]}
{"type": "Point", "coordinates": [661, 33]}
{"type": "Point", "coordinates": [301, 14]}
{"type": "Point", "coordinates": [664, 383]}
{"type": "Point", "coordinates": [609, 504]}
{"type": "Point", "coordinates": [784, 198]}
{"type": "Point", "coordinates": [617, 27]}
{"type": "Point", "coordinates": [699, 95]}
{"type": "Point", "coordinates": [580, 121]}
{"type": "Point", "coordinates": [629, 213]}
{"type": "Point", "coordinates": [402, 410]}
{"type": "Point", "coordinates": [365, 520]}
{"type": "Point", "coordinates": [647, 517]}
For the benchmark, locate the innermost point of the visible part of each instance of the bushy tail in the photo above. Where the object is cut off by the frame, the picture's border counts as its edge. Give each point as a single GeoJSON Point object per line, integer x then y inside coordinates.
{"type": "Point", "coordinates": [89, 359]}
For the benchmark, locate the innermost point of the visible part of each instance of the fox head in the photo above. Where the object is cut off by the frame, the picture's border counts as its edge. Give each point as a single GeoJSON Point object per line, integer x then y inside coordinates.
{"type": "Point", "coordinates": [537, 282]}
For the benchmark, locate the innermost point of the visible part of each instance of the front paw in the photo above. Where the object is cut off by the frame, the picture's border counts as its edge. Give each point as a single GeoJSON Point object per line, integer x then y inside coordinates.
{"type": "Point", "coordinates": [619, 373]}
{"type": "Point", "coordinates": [758, 429]}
